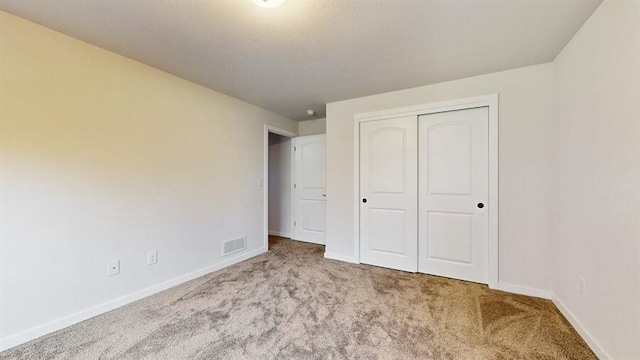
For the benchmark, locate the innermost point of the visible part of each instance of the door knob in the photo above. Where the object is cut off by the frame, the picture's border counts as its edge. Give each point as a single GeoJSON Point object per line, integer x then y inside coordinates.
{"type": "Point", "coordinates": [364, 200]}
{"type": "Point", "coordinates": [480, 205]}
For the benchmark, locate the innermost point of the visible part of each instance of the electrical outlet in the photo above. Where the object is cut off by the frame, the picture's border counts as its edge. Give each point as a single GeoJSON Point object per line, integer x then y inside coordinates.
{"type": "Point", "coordinates": [152, 258]}
{"type": "Point", "coordinates": [583, 286]}
{"type": "Point", "coordinates": [113, 267]}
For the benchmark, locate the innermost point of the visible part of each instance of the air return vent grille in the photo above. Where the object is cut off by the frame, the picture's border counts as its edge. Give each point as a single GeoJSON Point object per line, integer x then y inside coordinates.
{"type": "Point", "coordinates": [233, 246]}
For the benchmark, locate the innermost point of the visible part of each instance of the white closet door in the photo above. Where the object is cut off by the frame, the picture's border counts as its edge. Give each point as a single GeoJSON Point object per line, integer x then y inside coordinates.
{"type": "Point", "coordinates": [309, 189]}
{"type": "Point", "coordinates": [453, 194]}
{"type": "Point", "coordinates": [389, 193]}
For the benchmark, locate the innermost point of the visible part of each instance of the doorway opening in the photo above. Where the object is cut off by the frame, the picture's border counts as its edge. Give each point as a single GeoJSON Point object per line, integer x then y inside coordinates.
{"type": "Point", "coordinates": [278, 169]}
{"type": "Point", "coordinates": [279, 187]}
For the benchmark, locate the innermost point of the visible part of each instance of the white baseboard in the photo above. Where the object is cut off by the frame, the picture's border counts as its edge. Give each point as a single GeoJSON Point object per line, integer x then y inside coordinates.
{"type": "Point", "coordinates": [339, 257]}
{"type": "Point", "coordinates": [55, 325]}
{"type": "Point", "coordinates": [280, 233]}
{"type": "Point", "coordinates": [524, 290]}
{"type": "Point", "coordinates": [586, 336]}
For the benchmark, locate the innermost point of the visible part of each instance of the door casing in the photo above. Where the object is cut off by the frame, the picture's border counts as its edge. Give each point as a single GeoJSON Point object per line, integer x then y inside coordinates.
{"type": "Point", "coordinates": [490, 101]}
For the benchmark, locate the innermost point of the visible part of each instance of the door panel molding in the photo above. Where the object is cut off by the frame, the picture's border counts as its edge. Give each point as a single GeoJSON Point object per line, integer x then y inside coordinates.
{"type": "Point", "coordinates": [491, 101]}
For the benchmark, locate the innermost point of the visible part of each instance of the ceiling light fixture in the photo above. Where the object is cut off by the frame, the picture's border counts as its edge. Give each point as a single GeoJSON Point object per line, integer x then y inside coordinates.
{"type": "Point", "coordinates": [268, 3]}
{"type": "Point", "coordinates": [311, 113]}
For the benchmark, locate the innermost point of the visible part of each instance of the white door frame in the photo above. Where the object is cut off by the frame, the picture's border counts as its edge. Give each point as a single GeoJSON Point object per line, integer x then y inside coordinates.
{"type": "Point", "coordinates": [490, 101]}
{"type": "Point", "coordinates": [265, 176]}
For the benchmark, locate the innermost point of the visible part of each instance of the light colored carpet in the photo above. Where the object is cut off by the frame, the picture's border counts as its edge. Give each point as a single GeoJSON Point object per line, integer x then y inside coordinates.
{"type": "Point", "coordinates": [292, 303]}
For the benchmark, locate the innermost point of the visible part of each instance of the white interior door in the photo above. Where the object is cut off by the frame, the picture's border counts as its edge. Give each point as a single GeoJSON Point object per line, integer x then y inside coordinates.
{"type": "Point", "coordinates": [309, 189]}
{"type": "Point", "coordinates": [389, 193]}
{"type": "Point", "coordinates": [454, 181]}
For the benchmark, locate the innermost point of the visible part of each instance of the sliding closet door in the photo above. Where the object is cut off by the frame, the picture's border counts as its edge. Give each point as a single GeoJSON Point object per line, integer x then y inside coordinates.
{"type": "Point", "coordinates": [389, 193]}
{"type": "Point", "coordinates": [453, 225]}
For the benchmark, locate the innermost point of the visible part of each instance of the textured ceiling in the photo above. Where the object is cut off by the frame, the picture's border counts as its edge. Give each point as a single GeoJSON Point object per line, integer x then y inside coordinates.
{"type": "Point", "coordinates": [307, 53]}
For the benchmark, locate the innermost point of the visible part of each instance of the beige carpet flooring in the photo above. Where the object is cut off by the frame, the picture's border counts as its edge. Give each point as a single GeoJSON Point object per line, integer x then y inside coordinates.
{"type": "Point", "coordinates": [291, 303]}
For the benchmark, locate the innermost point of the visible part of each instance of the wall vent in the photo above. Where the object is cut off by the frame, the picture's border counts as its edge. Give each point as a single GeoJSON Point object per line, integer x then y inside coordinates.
{"type": "Point", "coordinates": [233, 246]}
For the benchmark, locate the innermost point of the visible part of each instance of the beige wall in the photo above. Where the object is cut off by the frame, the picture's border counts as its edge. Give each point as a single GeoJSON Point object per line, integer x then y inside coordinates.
{"type": "Point", "coordinates": [312, 127]}
{"type": "Point", "coordinates": [595, 195]}
{"type": "Point", "coordinates": [105, 158]}
{"type": "Point", "coordinates": [524, 141]}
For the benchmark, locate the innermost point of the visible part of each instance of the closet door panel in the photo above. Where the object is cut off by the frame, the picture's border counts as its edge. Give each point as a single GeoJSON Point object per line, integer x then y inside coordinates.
{"type": "Point", "coordinates": [453, 183]}
{"type": "Point", "coordinates": [389, 193]}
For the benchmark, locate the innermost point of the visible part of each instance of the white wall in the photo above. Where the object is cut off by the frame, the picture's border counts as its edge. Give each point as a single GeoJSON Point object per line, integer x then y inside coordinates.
{"type": "Point", "coordinates": [279, 185]}
{"type": "Point", "coordinates": [312, 127]}
{"type": "Point", "coordinates": [524, 142]}
{"type": "Point", "coordinates": [105, 158]}
{"type": "Point", "coordinates": [595, 194]}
